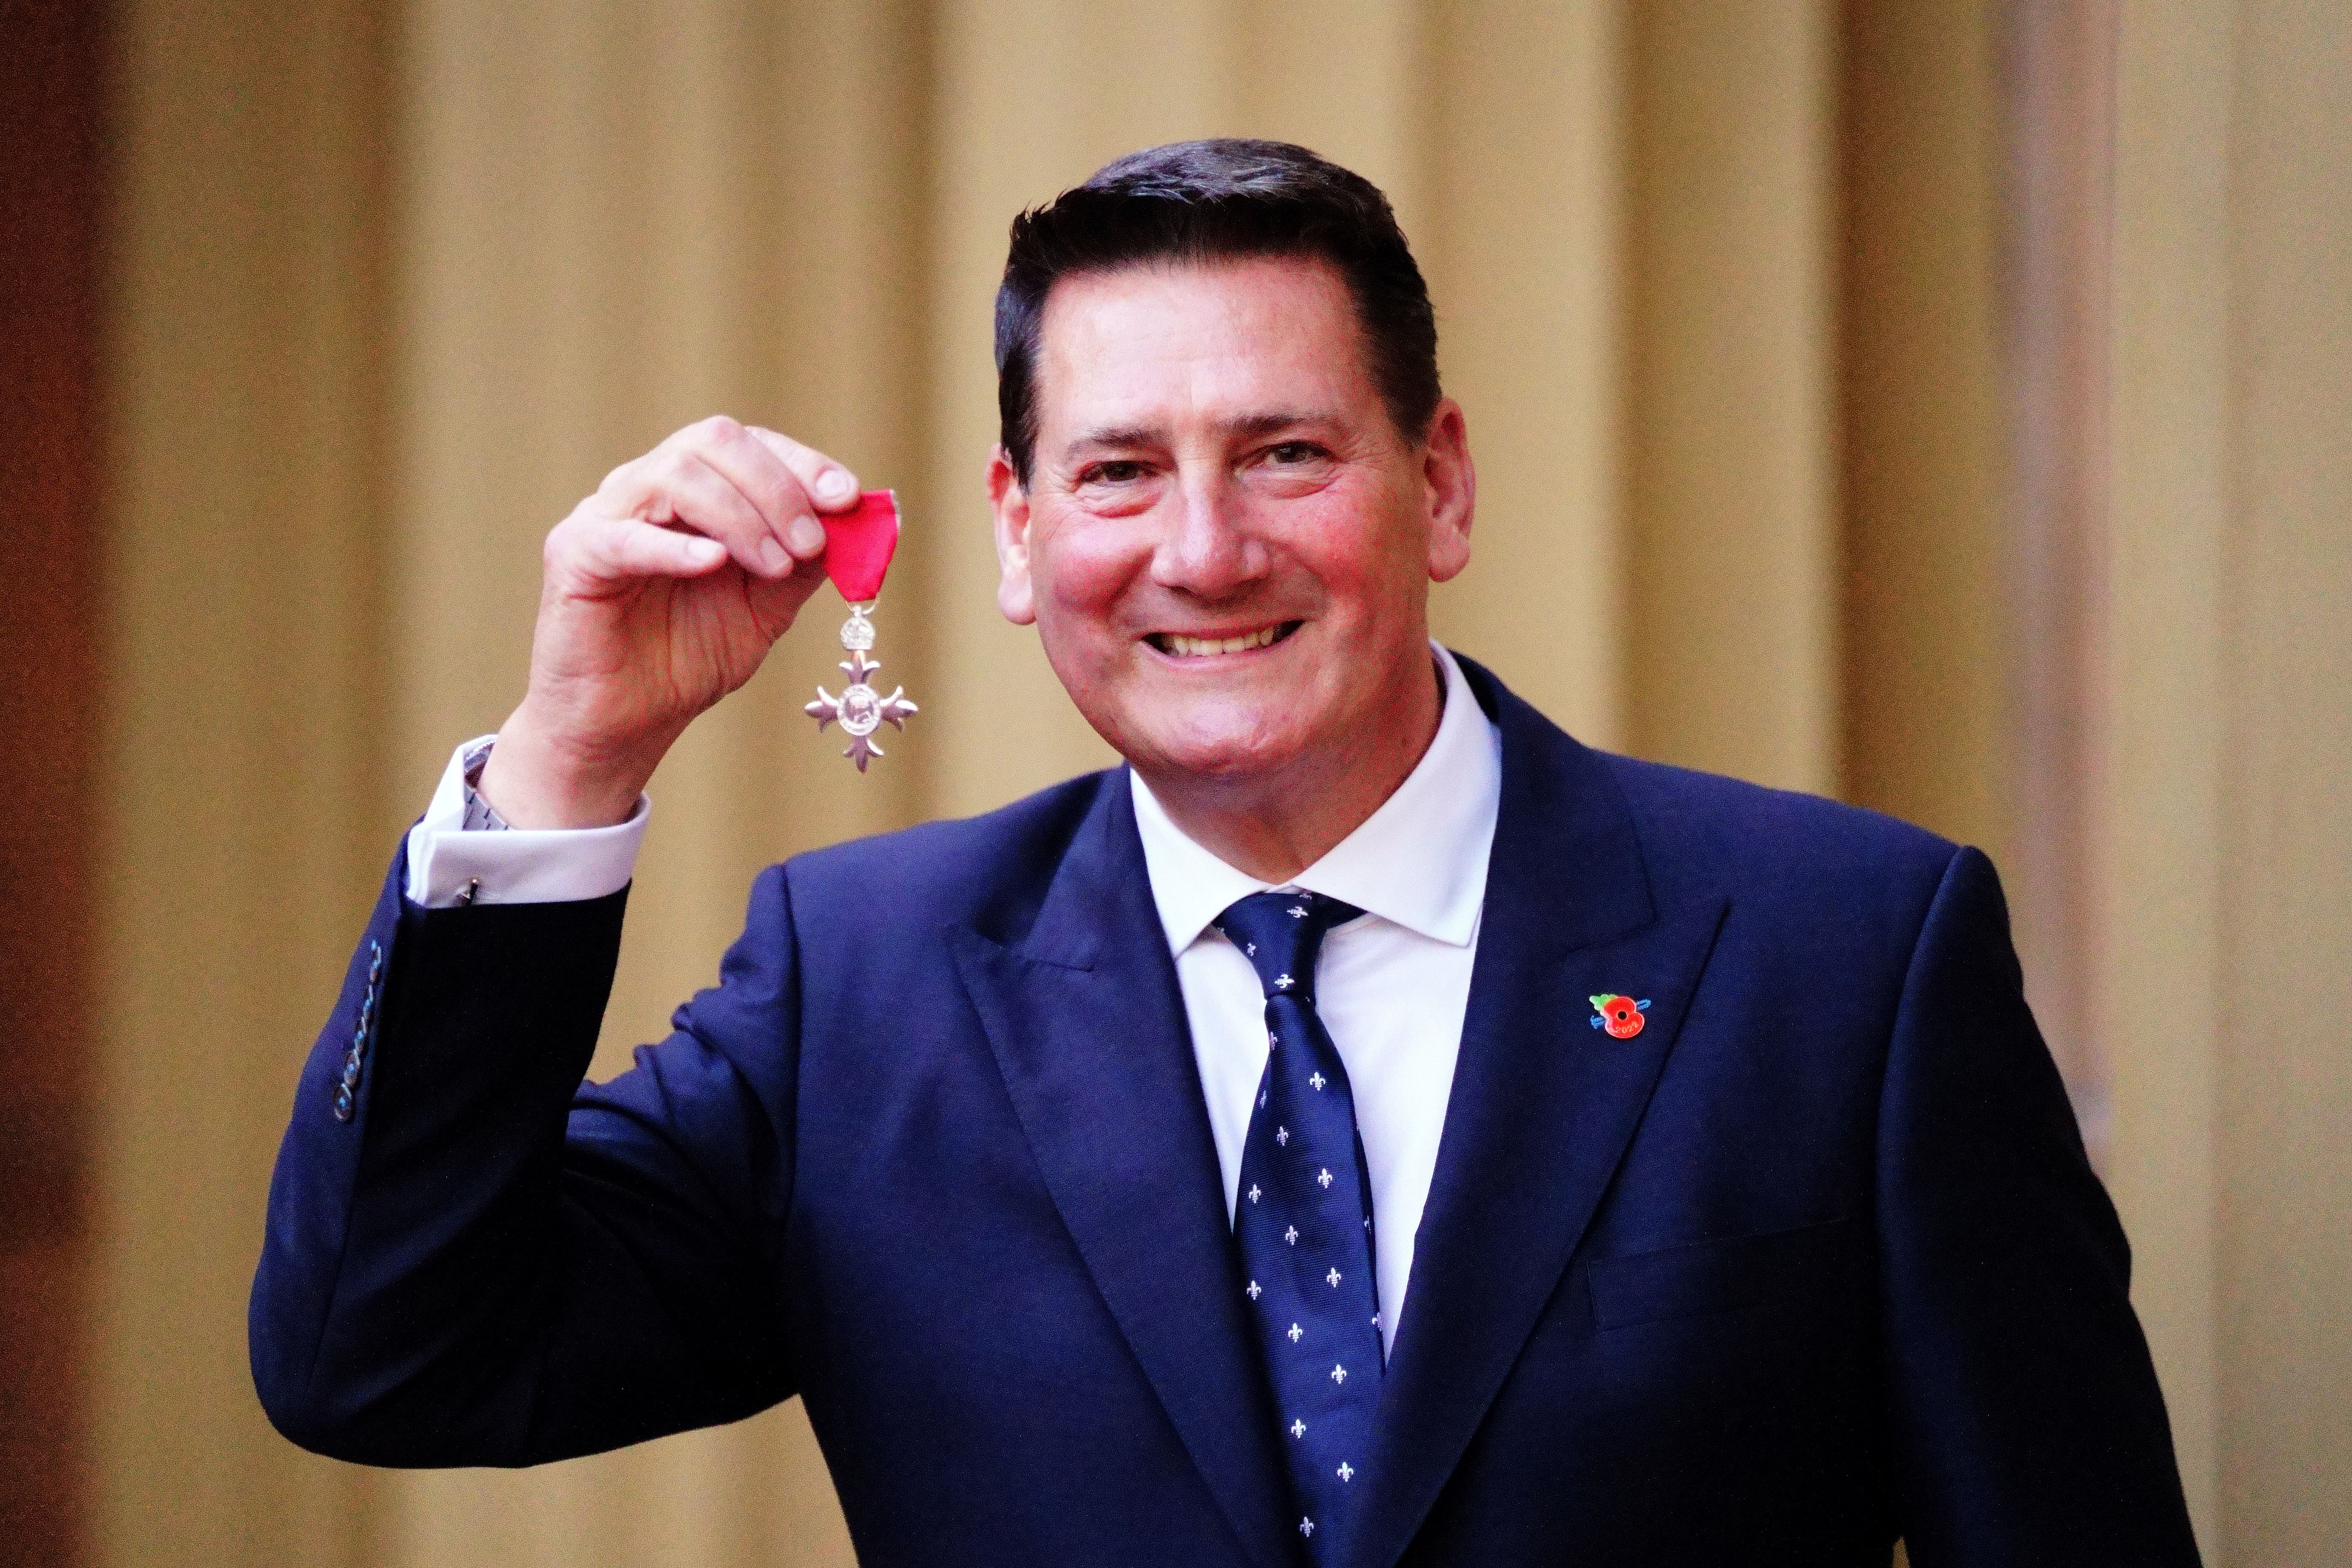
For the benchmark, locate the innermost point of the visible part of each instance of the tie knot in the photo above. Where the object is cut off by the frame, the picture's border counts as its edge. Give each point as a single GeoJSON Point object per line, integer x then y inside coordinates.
{"type": "Point", "coordinates": [1280, 933]}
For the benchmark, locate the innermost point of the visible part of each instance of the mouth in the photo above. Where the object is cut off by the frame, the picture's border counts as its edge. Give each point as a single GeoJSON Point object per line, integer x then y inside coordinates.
{"type": "Point", "coordinates": [1180, 645]}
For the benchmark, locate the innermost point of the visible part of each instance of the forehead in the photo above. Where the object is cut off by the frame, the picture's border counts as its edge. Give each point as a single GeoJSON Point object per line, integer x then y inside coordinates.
{"type": "Point", "coordinates": [1156, 344]}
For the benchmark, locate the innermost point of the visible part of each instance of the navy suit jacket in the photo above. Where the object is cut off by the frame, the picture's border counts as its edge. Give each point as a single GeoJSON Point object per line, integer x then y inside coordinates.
{"type": "Point", "coordinates": [1814, 1260]}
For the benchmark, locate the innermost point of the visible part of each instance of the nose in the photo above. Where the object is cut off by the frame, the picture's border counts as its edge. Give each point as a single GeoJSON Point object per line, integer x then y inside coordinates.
{"type": "Point", "coordinates": [1207, 551]}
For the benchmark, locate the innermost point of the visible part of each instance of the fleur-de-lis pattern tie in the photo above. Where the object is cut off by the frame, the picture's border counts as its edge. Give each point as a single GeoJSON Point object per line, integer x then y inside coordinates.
{"type": "Point", "coordinates": [1304, 1220]}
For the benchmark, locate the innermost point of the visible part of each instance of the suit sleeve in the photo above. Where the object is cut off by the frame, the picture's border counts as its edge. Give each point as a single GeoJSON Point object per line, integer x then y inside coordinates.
{"type": "Point", "coordinates": [2025, 1408]}
{"type": "Point", "coordinates": [487, 1262]}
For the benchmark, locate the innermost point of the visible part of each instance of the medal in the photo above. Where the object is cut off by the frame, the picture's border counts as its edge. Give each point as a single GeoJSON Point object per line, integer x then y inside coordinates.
{"type": "Point", "coordinates": [857, 548]}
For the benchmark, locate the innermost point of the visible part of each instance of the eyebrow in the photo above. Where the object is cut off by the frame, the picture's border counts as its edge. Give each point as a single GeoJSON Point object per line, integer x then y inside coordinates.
{"type": "Point", "coordinates": [1247, 425]}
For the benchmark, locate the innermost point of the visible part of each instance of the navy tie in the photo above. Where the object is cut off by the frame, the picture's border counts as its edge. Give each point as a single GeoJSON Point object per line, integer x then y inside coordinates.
{"type": "Point", "coordinates": [1304, 1220]}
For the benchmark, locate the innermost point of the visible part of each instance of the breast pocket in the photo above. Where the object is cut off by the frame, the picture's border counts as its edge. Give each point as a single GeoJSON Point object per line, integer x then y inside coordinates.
{"type": "Point", "coordinates": [1729, 1274]}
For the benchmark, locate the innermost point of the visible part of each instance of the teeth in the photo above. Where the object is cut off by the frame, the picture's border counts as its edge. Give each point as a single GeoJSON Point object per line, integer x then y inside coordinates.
{"type": "Point", "coordinates": [1195, 647]}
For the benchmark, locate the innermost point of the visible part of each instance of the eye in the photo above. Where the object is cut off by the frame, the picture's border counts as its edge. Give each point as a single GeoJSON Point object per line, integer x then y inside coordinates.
{"type": "Point", "coordinates": [1115, 471]}
{"type": "Point", "coordinates": [1293, 452]}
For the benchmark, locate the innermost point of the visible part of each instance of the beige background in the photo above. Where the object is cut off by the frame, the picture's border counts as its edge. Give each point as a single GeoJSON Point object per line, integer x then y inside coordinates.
{"type": "Point", "coordinates": [1721, 284]}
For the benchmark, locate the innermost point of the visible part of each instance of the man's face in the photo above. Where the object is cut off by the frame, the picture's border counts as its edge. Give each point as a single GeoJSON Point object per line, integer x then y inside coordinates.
{"type": "Point", "coordinates": [1225, 543]}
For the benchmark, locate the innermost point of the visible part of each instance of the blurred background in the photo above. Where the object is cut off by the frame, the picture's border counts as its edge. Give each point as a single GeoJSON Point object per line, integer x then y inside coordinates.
{"type": "Point", "coordinates": [1945, 404]}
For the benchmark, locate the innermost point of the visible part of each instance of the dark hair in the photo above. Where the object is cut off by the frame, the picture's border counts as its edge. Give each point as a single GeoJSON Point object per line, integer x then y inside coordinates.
{"type": "Point", "coordinates": [1205, 201]}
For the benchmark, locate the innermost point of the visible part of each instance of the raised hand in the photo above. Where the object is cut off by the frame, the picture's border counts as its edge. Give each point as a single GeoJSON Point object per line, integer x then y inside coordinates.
{"type": "Point", "coordinates": [661, 593]}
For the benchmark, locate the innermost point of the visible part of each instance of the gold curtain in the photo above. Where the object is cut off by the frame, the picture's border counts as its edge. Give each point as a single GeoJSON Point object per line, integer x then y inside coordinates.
{"type": "Point", "coordinates": [392, 292]}
{"type": "Point", "coordinates": [2224, 919]}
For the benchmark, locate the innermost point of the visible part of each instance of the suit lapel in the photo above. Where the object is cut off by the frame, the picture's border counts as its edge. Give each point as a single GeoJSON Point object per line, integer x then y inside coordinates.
{"type": "Point", "coordinates": [1543, 1104]}
{"type": "Point", "coordinates": [1088, 1028]}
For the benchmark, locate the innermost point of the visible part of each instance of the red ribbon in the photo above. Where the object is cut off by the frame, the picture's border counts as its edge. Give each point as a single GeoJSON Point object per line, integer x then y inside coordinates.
{"type": "Point", "coordinates": [859, 545]}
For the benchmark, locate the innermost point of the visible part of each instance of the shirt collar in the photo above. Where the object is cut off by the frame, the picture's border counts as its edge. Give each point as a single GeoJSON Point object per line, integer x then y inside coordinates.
{"type": "Point", "coordinates": [1419, 861]}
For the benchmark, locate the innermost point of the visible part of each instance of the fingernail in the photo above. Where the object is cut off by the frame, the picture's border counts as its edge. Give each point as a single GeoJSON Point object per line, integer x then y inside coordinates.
{"type": "Point", "coordinates": [772, 559]}
{"type": "Point", "coordinates": [807, 537]}
{"type": "Point", "coordinates": [834, 485]}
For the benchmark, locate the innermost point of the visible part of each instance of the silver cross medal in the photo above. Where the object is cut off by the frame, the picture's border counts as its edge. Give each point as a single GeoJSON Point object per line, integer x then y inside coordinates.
{"type": "Point", "coordinates": [860, 709]}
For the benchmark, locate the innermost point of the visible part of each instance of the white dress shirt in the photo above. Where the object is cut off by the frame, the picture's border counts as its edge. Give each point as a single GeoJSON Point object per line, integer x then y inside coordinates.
{"type": "Point", "coordinates": [449, 865]}
{"type": "Point", "coordinates": [1392, 987]}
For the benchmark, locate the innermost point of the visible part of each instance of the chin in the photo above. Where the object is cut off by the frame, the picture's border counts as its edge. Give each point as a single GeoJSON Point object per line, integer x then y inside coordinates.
{"type": "Point", "coordinates": [1234, 753]}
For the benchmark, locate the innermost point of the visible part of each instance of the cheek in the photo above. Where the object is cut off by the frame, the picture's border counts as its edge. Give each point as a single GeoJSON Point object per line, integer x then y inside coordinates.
{"type": "Point", "coordinates": [1364, 553]}
{"type": "Point", "coordinates": [1083, 571]}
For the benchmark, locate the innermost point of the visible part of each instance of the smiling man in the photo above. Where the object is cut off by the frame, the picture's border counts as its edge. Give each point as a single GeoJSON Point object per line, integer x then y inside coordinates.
{"type": "Point", "coordinates": [1212, 514]}
{"type": "Point", "coordinates": [1366, 1127]}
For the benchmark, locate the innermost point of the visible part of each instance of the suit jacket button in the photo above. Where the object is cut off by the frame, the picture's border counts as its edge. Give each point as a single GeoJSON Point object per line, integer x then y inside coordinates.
{"type": "Point", "coordinates": [342, 1103]}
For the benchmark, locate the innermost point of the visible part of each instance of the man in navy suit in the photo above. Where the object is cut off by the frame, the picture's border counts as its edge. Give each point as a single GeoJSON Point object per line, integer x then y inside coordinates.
{"type": "Point", "coordinates": [1369, 1127]}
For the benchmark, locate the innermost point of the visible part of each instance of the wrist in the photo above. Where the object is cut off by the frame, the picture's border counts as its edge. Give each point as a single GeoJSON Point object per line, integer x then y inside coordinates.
{"type": "Point", "coordinates": [536, 780]}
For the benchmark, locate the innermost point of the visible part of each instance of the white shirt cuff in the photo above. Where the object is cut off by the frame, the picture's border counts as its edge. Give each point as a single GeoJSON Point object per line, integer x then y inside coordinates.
{"type": "Point", "coordinates": [448, 865]}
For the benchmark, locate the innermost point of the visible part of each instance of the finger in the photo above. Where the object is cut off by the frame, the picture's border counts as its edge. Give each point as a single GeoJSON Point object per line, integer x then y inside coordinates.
{"type": "Point", "coordinates": [830, 484]}
{"type": "Point", "coordinates": [615, 549]}
{"type": "Point", "coordinates": [673, 484]}
{"type": "Point", "coordinates": [766, 480]}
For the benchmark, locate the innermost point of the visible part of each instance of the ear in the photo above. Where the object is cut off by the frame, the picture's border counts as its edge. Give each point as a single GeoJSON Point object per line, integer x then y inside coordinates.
{"type": "Point", "coordinates": [1008, 499]}
{"type": "Point", "coordinates": [1450, 482]}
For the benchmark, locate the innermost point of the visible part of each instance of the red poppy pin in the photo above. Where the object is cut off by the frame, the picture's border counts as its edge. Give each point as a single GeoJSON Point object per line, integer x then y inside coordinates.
{"type": "Point", "coordinates": [1621, 1015]}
